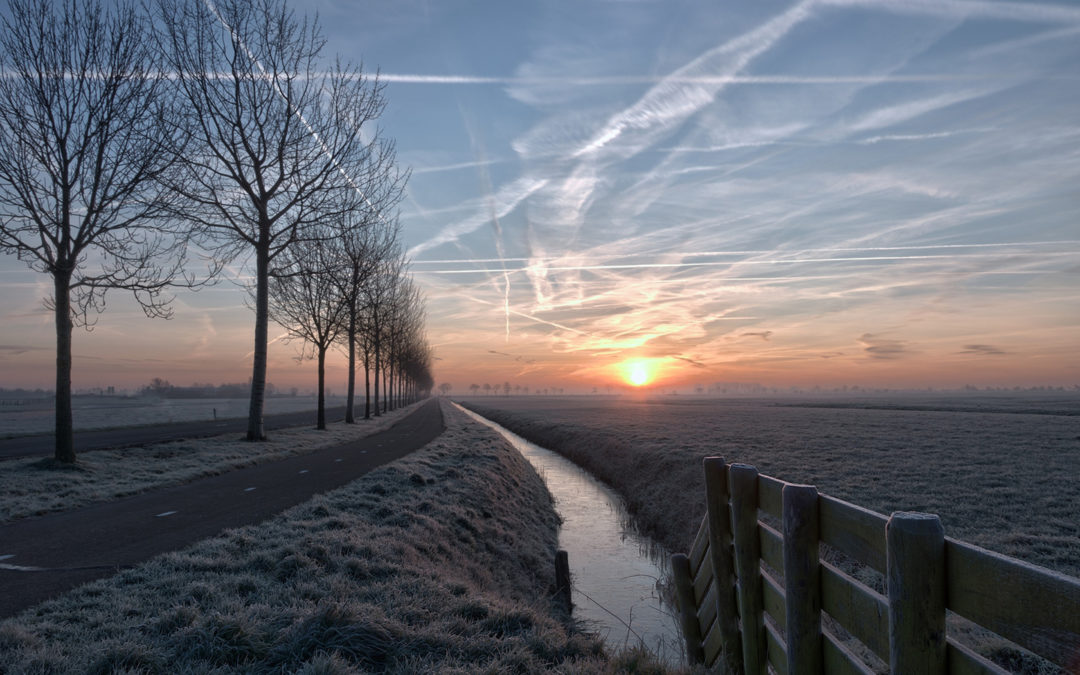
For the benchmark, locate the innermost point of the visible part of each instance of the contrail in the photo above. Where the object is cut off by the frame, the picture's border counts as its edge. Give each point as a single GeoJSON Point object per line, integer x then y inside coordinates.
{"type": "Point", "coordinates": [299, 115]}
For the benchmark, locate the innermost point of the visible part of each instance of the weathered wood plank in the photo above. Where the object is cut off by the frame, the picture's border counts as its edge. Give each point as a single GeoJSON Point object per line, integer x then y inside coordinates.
{"type": "Point", "coordinates": [744, 513]}
{"type": "Point", "coordinates": [802, 588]}
{"type": "Point", "coordinates": [916, 582]}
{"type": "Point", "coordinates": [684, 596]}
{"type": "Point", "coordinates": [703, 581]}
{"type": "Point", "coordinates": [858, 608]}
{"type": "Point", "coordinates": [772, 595]}
{"type": "Point", "coordinates": [1034, 607]}
{"type": "Point", "coordinates": [723, 560]}
{"type": "Point", "coordinates": [964, 661]}
{"type": "Point", "coordinates": [706, 611]}
{"type": "Point", "coordinates": [840, 661]}
{"type": "Point", "coordinates": [858, 532]}
{"type": "Point", "coordinates": [771, 543]}
{"type": "Point", "coordinates": [713, 645]}
{"type": "Point", "coordinates": [700, 546]}
{"type": "Point", "coordinates": [770, 496]}
{"type": "Point", "coordinates": [776, 650]}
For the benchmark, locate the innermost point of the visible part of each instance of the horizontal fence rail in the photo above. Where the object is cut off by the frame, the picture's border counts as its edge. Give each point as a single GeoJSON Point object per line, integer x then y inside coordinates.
{"type": "Point", "coordinates": [753, 592]}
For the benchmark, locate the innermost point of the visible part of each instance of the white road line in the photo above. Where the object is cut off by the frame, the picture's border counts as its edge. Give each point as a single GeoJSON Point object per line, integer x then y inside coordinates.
{"type": "Point", "coordinates": [5, 557]}
{"type": "Point", "coordinates": [303, 470]}
{"type": "Point", "coordinates": [166, 513]}
{"type": "Point", "coordinates": [338, 459]}
{"type": "Point", "coordinates": [249, 489]}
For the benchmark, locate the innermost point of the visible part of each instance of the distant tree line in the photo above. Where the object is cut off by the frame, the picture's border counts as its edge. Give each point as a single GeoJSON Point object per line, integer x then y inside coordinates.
{"type": "Point", "coordinates": [165, 389]}
{"type": "Point", "coordinates": [138, 139]}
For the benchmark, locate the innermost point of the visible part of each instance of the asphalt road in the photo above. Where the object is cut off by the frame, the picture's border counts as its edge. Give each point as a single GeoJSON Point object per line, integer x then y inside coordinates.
{"type": "Point", "coordinates": [41, 558]}
{"type": "Point", "coordinates": [101, 439]}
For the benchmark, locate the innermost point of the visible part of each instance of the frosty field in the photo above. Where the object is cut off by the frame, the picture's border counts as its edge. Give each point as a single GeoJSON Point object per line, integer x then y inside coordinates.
{"type": "Point", "coordinates": [1003, 472]}
{"type": "Point", "coordinates": [35, 416]}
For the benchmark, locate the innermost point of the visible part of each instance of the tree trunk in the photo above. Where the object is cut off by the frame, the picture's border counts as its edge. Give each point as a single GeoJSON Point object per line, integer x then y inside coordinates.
{"type": "Point", "coordinates": [349, 419]}
{"type": "Point", "coordinates": [65, 432]}
{"type": "Point", "coordinates": [258, 372]}
{"type": "Point", "coordinates": [321, 415]}
{"type": "Point", "coordinates": [367, 384]}
{"type": "Point", "coordinates": [377, 413]}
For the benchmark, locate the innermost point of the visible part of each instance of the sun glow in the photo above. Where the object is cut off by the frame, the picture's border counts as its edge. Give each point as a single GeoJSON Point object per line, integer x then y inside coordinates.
{"type": "Point", "coordinates": [638, 372]}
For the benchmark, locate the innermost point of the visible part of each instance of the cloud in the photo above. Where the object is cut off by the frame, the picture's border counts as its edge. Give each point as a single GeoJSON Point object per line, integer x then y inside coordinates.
{"type": "Point", "coordinates": [983, 350]}
{"type": "Point", "coordinates": [877, 347]}
{"type": "Point", "coordinates": [518, 357]}
{"type": "Point", "coordinates": [764, 335]}
{"type": "Point", "coordinates": [696, 364]}
{"type": "Point", "coordinates": [501, 204]}
{"type": "Point", "coordinates": [16, 350]}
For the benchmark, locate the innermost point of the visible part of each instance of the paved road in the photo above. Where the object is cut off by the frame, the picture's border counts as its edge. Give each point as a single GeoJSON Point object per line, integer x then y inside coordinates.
{"type": "Point", "coordinates": [89, 440]}
{"type": "Point", "coordinates": [42, 557]}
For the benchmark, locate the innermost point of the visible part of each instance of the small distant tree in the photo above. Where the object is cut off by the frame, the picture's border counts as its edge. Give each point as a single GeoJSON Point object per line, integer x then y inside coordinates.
{"type": "Point", "coordinates": [487, 388]}
{"type": "Point", "coordinates": [474, 388]}
{"type": "Point", "coordinates": [304, 300]}
{"type": "Point", "coordinates": [506, 388]}
{"type": "Point", "coordinates": [445, 388]}
{"type": "Point", "coordinates": [83, 111]}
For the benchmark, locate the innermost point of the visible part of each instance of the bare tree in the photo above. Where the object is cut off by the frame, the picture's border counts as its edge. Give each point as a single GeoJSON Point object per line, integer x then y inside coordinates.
{"type": "Point", "coordinates": [378, 300]}
{"type": "Point", "coordinates": [82, 139]}
{"type": "Point", "coordinates": [277, 134]}
{"type": "Point", "coordinates": [304, 299]}
{"type": "Point", "coordinates": [365, 242]}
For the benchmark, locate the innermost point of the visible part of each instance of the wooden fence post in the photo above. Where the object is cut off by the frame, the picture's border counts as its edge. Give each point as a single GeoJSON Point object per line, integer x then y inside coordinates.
{"type": "Point", "coordinates": [915, 552]}
{"type": "Point", "coordinates": [562, 579]}
{"type": "Point", "coordinates": [744, 515]}
{"type": "Point", "coordinates": [802, 584]}
{"type": "Point", "coordinates": [684, 593]}
{"type": "Point", "coordinates": [727, 618]}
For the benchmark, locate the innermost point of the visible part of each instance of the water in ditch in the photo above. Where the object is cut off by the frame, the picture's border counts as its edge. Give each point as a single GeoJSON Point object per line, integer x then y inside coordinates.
{"type": "Point", "coordinates": [617, 573]}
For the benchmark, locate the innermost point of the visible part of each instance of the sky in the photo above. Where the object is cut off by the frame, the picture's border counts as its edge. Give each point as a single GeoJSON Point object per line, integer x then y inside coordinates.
{"type": "Point", "coordinates": [881, 193]}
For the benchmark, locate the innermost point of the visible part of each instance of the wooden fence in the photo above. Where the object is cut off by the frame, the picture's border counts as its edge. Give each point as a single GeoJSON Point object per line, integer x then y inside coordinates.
{"type": "Point", "coordinates": [752, 596]}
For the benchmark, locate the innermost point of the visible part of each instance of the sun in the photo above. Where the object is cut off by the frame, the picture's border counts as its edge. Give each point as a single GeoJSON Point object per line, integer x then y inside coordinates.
{"type": "Point", "coordinates": [638, 372]}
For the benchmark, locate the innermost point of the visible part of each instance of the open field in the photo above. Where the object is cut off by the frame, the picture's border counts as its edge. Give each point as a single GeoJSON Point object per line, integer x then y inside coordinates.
{"type": "Point", "coordinates": [440, 562]}
{"type": "Point", "coordinates": [1006, 478]}
{"type": "Point", "coordinates": [35, 416]}
{"type": "Point", "coordinates": [33, 487]}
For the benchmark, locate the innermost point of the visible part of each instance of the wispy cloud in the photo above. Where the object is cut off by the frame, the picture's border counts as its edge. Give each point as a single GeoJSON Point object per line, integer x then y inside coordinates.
{"type": "Point", "coordinates": [882, 348]}
{"type": "Point", "coordinates": [983, 350]}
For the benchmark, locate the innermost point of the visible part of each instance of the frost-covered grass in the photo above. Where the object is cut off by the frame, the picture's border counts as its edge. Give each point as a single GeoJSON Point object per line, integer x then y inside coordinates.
{"type": "Point", "coordinates": [1007, 481]}
{"type": "Point", "coordinates": [439, 562]}
{"type": "Point", "coordinates": [34, 487]}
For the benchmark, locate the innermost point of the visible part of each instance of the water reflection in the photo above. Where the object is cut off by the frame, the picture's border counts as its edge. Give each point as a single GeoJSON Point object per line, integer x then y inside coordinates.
{"type": "Point", "coordinates": [618, 574]}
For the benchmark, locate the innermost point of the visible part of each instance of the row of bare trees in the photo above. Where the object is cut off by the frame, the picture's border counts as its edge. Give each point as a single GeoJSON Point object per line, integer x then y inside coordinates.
{"type": "Point", "coordinates": [136, 142]}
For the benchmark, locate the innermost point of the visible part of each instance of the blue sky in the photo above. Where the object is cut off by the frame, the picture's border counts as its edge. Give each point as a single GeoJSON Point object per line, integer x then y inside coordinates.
{"type": "Point", "coordinates": [865, 192]}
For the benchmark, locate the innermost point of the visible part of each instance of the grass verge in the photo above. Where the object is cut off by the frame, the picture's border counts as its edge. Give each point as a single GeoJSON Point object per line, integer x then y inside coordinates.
{"type": "Point", "coordinates": [34, 487]}
{"type": "Point", "coordinates": [440, 562]}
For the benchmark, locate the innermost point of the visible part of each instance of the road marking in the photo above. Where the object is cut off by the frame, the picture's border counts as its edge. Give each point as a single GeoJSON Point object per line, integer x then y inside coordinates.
{"type": "Point", "coordinates": [166, 513]}
{"type": "Point", "coordinates": [363, 452]}
{"type": "Point", "coordinates": [5, 557]}
{"type": "Point", "coordinates": [249, 489]}
{"type": "Point", "coordinates": [303, 470]}
{"type": "Point", "coordinates": [338, 459]}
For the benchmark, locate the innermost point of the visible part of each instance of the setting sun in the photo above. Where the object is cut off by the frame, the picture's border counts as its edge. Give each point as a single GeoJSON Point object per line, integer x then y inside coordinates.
{"type": "Point", "coordinates": [638, 372]}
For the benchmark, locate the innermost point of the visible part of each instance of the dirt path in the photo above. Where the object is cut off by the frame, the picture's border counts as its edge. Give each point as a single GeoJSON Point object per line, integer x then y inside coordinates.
{"type": "Point", "coordinates": [43, 557]}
